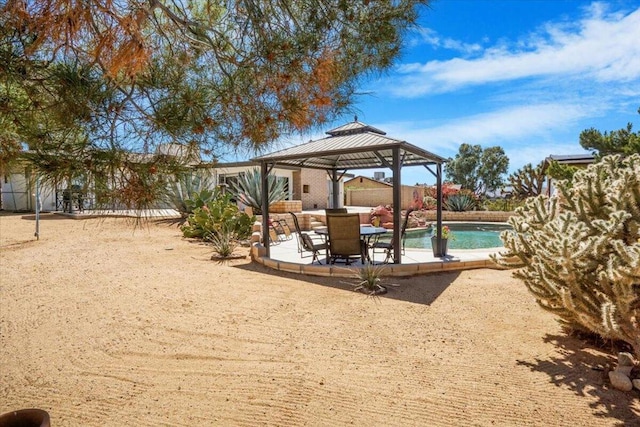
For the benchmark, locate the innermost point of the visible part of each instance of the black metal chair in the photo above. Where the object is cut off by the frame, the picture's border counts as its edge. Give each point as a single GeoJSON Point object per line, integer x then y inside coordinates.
{"type": "Point", "coordinates": [306, 243]}
{"type": "Point", "coordinates": [387, 247]}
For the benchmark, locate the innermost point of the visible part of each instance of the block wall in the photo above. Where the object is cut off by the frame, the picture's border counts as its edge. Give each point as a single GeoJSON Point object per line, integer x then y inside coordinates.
{"type": "Point", "coordinates": [318, 195]}
{"type": "Point", "coordinates": [380, 196]}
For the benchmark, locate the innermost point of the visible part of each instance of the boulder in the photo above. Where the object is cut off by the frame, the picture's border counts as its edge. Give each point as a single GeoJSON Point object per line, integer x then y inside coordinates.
{"type": "Point", "coordinates": [625, 359]}
{"type": "Point", "coordinates": [620, 381]}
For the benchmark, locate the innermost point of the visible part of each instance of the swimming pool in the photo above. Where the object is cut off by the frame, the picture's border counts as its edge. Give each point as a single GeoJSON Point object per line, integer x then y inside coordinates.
{"type": "Point", "coordinates": [465, 236]}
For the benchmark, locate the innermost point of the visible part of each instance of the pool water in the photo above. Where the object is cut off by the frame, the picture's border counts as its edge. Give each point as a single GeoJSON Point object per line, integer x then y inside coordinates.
{"type": "Point", "coordinates": [465, 236]}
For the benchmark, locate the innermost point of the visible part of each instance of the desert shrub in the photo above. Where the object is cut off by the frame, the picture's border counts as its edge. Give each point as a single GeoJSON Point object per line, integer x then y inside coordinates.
{"type": "Point", "coordinates": [215, 216]}
{"type": "Point", "coordinates": [460, 202]}
{"type": "Point", "coordinates": [504, 205]}
{"type": "Point", "coordinates": [429, 203]}
{"type": "Point", "coordinates": [200, 198]}
{"type": "Point", "coordinates": [447, 190]}
{"type": "Point", "coordinates": [224, 242]}
{"type": "Point", "coordinates": [369, 278]}
{"type": "Point", "coordinates": [579, 253]}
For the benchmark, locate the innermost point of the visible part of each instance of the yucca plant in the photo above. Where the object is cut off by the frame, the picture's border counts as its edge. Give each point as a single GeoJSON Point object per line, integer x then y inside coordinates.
{"type": "Point", "coordinates": [224, 242]}
{"type": "Point", "coordinates": [248, 190]}
{"type": "Point", "coordinates": [369, 278]}
{"type": "Point", "coordinates": [460, 202]}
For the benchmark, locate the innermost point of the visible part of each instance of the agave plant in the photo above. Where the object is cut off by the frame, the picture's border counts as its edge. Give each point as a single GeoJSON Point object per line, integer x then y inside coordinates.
{"type": "Point", "coordinates": [248, 189]}
{"type": "Point", "coordinates": [185, 188]}
{"type": "Point", "coordinates": [369, 278]}
{"type": "Point", "coordinates": [460, 202]}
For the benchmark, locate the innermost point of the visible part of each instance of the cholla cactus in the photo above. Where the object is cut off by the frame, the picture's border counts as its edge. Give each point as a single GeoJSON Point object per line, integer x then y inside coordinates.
{"type": "Point", "coordinates": [579, 253]}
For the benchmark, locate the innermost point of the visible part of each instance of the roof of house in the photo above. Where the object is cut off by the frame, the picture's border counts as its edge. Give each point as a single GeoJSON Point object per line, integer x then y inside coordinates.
{"type": "Point", "coordinates": [572, 158]}
{"type": "Point", "coordinates": [360, 177]}
{"type": "Point", "coordinates": [354, 145]}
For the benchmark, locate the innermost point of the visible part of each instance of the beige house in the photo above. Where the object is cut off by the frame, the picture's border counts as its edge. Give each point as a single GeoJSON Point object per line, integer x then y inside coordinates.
{"type": "Point", "coordinates": [311, 186]}
{"type": "Point", "coordinates": [363, 191]}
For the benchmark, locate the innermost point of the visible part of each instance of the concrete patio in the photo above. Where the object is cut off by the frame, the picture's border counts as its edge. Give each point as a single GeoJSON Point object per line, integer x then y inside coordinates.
{"type": "Point", "coordinates": [285, 256]}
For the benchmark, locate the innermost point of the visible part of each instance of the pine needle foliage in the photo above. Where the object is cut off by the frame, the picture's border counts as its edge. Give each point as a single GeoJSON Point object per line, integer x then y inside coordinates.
{"type": "Point", "coordinates": [579, 252]}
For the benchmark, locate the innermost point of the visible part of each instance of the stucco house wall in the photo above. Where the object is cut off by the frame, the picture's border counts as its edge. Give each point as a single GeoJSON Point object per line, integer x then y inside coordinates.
{"type": "Point", "coordinates": [381, 196]}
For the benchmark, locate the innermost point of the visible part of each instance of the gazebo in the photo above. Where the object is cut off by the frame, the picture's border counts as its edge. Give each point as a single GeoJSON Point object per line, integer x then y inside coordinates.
{"type": "Point", "coordinates": [356, 145]}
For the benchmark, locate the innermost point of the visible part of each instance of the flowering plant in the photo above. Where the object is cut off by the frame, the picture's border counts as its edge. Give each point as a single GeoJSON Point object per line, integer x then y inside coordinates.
{"type": "Point", "coordinates": [446, 232]}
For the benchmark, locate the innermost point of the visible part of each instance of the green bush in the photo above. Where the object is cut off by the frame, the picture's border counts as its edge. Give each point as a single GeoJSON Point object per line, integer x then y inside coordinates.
{"type": "Point", "coordinates": [505, 205]}
{"type": "Point", "coordinates": [209, 220]}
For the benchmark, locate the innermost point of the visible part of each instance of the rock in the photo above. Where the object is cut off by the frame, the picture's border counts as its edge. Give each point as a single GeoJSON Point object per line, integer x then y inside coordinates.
{"type": "Point", "coordinates": [625, 359]}
{"type": "Point", "coordinates": [636, 383]}
{"type": "Point", "coordinates": [620, 381]}
{"type": "Point", "coordinates": [626, 370]}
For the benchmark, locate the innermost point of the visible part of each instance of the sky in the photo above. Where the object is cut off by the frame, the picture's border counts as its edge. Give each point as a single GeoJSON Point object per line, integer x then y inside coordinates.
{"type": "Point", "coordinates": [525, 75]}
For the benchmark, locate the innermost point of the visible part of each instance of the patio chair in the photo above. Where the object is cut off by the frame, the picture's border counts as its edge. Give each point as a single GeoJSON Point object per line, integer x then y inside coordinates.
{"type": "Point", "coordinates": [273, 235]}
{"type": "Point", "coordinates": [344, 238]}
{"type": "Point", "coordinates": [306, 243]}
{"type": "Point", "coordinates": [282, 228]}
{"type": "Point", "coordinates": [387, 247]}
{"type": "Point", "coordinates": [329, 211]}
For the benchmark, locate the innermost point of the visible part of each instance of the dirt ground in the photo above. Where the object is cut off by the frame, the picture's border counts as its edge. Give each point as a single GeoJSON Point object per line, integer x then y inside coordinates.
{"type": "Point", "coordinates": [106, 324]}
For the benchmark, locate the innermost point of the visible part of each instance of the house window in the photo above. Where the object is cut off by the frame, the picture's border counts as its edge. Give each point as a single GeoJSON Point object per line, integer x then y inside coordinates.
{"type": "Point", "coordinates": [305, 189]}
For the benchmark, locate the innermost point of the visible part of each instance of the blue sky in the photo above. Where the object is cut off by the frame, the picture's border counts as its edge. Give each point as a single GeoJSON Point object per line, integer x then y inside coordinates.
{"type": "Point", "coordinates": [526, 75]}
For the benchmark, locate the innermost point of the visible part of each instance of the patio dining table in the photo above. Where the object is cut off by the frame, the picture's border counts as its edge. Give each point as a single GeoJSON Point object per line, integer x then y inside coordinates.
{"type": "Point", "coordinates": [366, 233]}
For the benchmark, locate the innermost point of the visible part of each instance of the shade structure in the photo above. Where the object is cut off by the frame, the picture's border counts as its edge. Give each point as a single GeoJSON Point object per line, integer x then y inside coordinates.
{"type": "Point", "coordinates": [352, 146]}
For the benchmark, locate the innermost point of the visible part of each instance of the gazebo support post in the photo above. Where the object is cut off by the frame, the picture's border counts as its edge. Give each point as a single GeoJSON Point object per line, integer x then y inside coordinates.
{"type": "Point", "coordinates": [439, 251]}
{"type": "Point", "coordinates": [335, 182]}
{"type": "Point", "coordinates": [264, 175]}
{"type": "Point", "coordinates": [397, 205]}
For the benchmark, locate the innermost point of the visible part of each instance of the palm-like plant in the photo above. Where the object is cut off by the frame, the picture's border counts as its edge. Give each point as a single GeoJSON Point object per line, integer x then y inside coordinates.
{"type": "Point", "coordinates": [248, 189]}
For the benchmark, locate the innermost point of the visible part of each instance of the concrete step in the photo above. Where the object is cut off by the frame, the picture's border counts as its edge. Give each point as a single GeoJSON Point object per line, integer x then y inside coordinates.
{"type": "Point", "coordinates": [314, 224]}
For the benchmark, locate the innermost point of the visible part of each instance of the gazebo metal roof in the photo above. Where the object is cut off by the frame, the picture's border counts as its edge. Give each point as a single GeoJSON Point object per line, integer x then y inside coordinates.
{"type": "Point", "coordinates": [355, 145]}
{"type": "Point", "coordinates": [352, 146]}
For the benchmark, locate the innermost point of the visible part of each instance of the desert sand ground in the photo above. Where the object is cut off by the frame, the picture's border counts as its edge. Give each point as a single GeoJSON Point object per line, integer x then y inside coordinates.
{"type": "Point", "coordinates": [105, 324]}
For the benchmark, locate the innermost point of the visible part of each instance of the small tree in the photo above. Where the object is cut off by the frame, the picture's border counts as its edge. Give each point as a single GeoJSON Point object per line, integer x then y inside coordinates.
{"type": "Point", "coordinates": [579, 253]}
{"type": "Point", "coordinates": [528, 181]}
{"type": "Point", "coordinates": [476, 169]}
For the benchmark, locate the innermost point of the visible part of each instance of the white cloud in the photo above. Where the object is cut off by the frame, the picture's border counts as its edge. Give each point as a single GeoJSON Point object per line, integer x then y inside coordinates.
{"type": "Point", "coordinates": [431, 38]}
{"type": "Point", "coordinates": [503, 127]}
{"type": "Point", "coordinates": [600, 48]}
